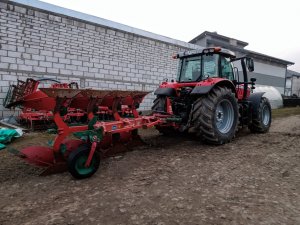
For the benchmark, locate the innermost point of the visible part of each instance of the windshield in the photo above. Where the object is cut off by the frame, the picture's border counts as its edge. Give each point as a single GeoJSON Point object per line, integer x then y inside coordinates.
{"type": "Point", "coordinates": [198, 68]}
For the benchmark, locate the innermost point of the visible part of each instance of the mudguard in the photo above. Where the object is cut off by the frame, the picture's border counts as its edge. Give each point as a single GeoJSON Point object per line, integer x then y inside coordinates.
{"type": "Point", "coordinates": [165, 91]}
{"type": "Point", "coordinates": [255, 98]}
{"type": "Point", "coordinates": [206, 88]}
{"type": "Point", "coordinates": [201, 89]}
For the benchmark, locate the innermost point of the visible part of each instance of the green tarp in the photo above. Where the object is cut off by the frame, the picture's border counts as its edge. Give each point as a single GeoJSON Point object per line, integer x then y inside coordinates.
{"type": "Point", "coordinates": [6, 135]}
{"type": "Point", "coordinates": [2, 146]}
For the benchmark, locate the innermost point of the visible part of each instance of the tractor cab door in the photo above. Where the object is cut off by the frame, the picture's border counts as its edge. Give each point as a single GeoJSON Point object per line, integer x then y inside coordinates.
{"type": "Point", "coordinates": [218, 66]}
{"type": "Point", "coordinates": [226, 68]}
{"type": "Point", "coordinates": [210, 66]}
{"type": "Point", "coordinates": [227, 72]}
{"type": "Point", "coordinates": [243, 65]}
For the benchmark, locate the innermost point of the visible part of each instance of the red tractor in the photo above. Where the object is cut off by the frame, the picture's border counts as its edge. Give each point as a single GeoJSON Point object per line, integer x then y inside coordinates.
{"type": "Point", "coordinates": [211, 98]}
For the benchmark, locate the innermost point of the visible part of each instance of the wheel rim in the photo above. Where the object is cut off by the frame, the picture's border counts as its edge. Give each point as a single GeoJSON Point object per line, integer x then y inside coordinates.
{"type": "Point", "coordinates": [266, 115]}
{"type": "Point", "coordinates": [80, 165]}
{"type": "Point", "coordinates": [224, 116]}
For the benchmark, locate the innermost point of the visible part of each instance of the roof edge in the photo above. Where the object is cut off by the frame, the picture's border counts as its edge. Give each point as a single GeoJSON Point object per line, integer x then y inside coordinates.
{"type": "Point", "coordinates": [100, 21]}
{"type": "Point", "coordinates": [243, 43]}
{"type": "Point", "coordinates": [270, 57]}
{"type": "Point", "coordinates": [249, 52]}
{"type": "Point", "coordinates": [291, 73]}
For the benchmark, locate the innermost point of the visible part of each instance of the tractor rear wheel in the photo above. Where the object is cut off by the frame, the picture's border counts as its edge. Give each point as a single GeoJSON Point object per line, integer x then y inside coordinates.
{"type": "Point", "coordinates": [262, 118]}
{"type": "Point", "coordinates": [215, 116]}
{"type": "Point", "coordinates": [77, 159]}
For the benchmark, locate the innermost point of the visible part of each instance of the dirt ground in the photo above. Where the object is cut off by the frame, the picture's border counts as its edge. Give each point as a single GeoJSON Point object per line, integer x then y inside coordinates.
{"type": "Point", "coordinates": [172, 180]}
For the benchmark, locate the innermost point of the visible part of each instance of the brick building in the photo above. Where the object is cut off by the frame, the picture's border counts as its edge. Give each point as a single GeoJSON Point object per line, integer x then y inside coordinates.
{"type": "Point", "coordinates": [38, 39]}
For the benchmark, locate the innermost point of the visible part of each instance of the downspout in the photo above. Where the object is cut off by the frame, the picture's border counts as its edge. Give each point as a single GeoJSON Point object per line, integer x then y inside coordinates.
{"type": "Point", "coordinates": [285, 81]}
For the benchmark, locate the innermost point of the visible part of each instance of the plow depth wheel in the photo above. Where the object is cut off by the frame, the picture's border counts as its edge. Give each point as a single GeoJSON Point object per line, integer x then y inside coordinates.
{"type": "Point", "coordinates": [77, 160]}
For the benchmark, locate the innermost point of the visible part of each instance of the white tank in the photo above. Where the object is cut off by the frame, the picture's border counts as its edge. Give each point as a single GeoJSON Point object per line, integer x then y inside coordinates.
{"type": "Point", "coordinates": [272, 94]}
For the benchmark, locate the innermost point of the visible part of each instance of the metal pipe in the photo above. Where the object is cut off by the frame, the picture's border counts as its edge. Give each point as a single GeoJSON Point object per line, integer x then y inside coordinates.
{"type": "Point", "coordinates": [245, 78]}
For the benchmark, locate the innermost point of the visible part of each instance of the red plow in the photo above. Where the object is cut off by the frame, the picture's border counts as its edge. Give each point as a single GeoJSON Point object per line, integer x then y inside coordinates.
{"type": "Point", "coordinates": [33, 116]}
{"type": "Point", "coordinates": [112, 121]}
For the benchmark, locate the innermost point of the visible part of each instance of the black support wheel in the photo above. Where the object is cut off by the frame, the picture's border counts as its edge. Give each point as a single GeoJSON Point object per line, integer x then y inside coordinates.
{"type": "Point", "coordinates": [215, 116]}
{"type": "Point", "coordinates": [262, 117]}
{"type": "Point", "coordinates": [77, 159]}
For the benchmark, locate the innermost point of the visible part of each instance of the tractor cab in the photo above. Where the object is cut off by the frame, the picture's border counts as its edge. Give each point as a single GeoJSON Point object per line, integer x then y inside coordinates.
{"type": "Point", "coordinates": [201, 69]}
{"type": "Point", "coordinates": [205, 67]}
{"type": "Point", "coordinates": [201, 64]}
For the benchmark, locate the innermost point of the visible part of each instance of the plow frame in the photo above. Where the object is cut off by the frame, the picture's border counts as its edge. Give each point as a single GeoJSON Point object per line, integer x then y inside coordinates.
{"type": "Point", "coordinates": [111, 121]}
{"type": "Point", "coordinates": [118, 125]}
{"type": "Point", "coordinates": [99, 137]}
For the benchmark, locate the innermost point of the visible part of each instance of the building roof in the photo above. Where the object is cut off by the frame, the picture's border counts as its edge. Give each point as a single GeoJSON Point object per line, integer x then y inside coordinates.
{"type": "Point", "coordinates": [226, 44]}
{"type": "Point", "coordinates": [219, 36]}
{"type": "Point", "coordinates": [100, 21]}
{"type": "Point", "coordinates": [291, 73]}
{"type": "Point", "coordinates": [268, 58]}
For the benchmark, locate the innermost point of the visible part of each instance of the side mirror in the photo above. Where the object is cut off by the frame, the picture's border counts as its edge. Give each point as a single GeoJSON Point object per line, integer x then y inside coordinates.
{"type": "Point", "coordinates": [250, 64]}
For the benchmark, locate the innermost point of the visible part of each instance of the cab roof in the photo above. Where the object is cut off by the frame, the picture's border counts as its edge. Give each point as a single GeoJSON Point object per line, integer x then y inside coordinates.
{"type": "Point", "coordinates": [210, 50]}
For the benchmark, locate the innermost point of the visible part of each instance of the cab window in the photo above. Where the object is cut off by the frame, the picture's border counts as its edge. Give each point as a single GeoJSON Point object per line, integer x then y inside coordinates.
{"type": "Point", "coordinates": [190, 69]}
{"type": "Point", "coordinates": [226, 68]}
{"type": "Point", "coordinates": [210, 65]}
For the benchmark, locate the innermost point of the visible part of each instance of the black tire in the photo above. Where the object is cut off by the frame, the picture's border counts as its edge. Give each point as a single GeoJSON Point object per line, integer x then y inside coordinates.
{"type": "Point", "coordinates": [262, 118]}
{"type": "Point", "coordinates": [159, 105]}
{"type": "Point", "coordinates": [215, 116]}
{"type": "Point", "coordinates": [195, 115]}
{"type": "Point", "coordinates": [77, 159]}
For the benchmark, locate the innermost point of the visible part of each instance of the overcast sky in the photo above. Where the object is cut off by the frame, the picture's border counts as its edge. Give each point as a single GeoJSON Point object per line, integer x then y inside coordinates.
{"type": "Point", "coordinates": [270, 27]}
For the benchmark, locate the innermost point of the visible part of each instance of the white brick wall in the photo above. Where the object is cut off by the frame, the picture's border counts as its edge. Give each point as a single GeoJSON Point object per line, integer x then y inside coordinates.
{"type": "Point", "coordinates": [40, 44]}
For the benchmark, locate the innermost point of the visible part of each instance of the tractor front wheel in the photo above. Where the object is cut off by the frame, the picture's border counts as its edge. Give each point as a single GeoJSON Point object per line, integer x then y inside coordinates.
{"type": "Point", "coordinates": [77, 160]}
{"type": "Point", "coordinates": [159, 105]}
{"type": "Point", "coordinates": [262, 118]}
{"type": "Point", "coordinates": [215, 116]}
